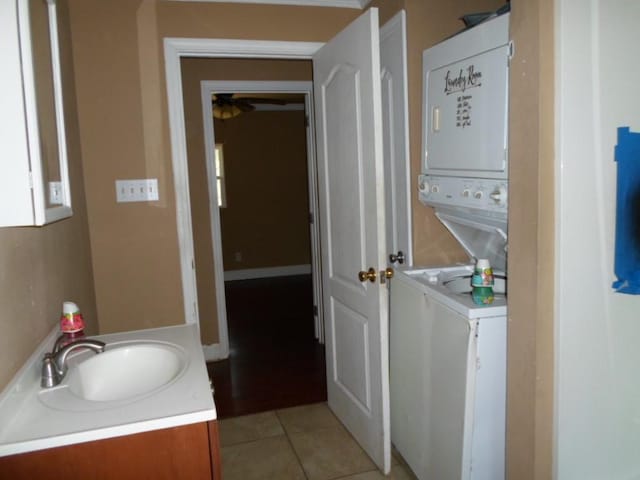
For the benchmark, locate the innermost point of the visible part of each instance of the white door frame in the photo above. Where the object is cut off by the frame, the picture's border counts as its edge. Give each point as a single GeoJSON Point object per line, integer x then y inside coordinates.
{"type": "Point", "coordinates": [174, 50]}
{"type": "Point", "coordinates": [208, 88]}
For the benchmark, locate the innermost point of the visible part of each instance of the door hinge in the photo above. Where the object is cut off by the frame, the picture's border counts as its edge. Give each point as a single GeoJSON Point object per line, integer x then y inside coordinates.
{"type": "Point", "coordinates": [511, 51]}
{"type": "Point", "coordinates": [306, 121]}
{"type": "Point", "coordinates": [315, 310]}
{"type": "Point", "coordinates": [311, 219]}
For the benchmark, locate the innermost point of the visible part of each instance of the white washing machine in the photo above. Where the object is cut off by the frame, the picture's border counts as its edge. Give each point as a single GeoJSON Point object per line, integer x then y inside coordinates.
{"type": "Point", "coordinates": [447, 375]}
{"type": "Point", "coordinates": [447, 354]}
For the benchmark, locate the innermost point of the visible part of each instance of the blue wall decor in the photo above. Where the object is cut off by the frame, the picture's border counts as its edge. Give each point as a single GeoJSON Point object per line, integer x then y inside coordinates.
{"type": "Point", "coordinates": [627, 254]}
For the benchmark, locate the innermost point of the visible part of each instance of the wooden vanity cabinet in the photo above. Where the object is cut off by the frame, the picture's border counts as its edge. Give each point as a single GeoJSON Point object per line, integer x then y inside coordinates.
{"type": "Point", "coordinates": [185, 453]}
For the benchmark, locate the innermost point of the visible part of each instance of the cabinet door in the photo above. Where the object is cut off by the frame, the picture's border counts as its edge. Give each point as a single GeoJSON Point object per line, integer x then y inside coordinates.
{"type": "Point", "coordinates": [185, 453]}
{"type": "Point", "coordinates": [34, 162]}
{"type": "Point", "coordinates": [16, 206]}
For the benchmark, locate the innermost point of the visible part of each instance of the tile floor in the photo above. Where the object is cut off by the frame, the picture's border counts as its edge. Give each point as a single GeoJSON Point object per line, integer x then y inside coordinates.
{"type": "Point", "coordinates": [306, 443]}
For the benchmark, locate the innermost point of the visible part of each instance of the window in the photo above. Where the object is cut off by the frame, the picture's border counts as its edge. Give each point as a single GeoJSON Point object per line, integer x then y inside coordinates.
{"type": "Point", "coordinates": [222, 194]}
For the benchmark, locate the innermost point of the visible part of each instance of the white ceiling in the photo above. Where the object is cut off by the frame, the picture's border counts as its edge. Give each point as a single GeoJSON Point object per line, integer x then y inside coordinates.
{"type": "Point", "coordinates": [359, 4]}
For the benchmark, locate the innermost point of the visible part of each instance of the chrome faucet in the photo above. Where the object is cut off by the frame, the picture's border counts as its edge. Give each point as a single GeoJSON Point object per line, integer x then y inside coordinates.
{"type": "Point", "coordinates": [54, 365]}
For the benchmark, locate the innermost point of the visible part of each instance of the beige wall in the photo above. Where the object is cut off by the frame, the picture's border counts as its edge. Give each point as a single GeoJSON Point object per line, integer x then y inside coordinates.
{"type": "Point", "coordinates": [531, 237]}
{"type": "Point", "coordinates": [44, 266]}
{"type": "Point", "coordinates": [195, 70]}
{"type": "Point", "coordinates": [122, 108]}
{"type": "Point", "coordinates": [134, 245]}
{"type": "Point", "coordinates": [267, 216]}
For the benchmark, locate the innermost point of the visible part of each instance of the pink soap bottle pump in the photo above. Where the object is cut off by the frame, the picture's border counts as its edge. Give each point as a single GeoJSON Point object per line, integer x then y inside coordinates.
{"type": "Point", "coordinates": [71, 325]}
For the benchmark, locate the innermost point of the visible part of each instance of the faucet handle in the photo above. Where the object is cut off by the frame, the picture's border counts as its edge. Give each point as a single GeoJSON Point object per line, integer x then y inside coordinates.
{"type": "Point", "coordinates": [50, 376]}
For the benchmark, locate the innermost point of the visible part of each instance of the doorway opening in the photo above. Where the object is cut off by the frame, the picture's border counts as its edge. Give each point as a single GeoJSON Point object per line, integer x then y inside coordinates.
{"type": "Point", "coordinates": [254, 246]}
{"type": "Point", "coordinates": [175, 50]}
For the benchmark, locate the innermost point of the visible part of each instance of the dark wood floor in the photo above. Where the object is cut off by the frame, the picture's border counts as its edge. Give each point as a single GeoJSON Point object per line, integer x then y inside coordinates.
{"type": "Point", "coordinates": [275, 361]}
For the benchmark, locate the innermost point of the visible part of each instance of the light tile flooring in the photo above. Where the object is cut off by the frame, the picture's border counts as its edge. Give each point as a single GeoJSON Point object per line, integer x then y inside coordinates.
{"type": "Point", "coordinates": [306, 443]}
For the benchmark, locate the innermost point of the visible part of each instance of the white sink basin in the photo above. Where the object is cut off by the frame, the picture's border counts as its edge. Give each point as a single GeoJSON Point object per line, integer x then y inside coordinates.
{"type": "Point", "coordinates": [125, 371]}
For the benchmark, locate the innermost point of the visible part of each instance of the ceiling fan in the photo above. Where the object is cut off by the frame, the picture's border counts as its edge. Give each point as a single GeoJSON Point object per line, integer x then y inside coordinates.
{"type": "Point", "coordinates": [229, 105]}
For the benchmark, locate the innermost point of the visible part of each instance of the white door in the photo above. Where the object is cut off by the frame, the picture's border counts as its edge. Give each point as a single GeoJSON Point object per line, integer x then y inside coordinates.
{"type": "Point", "coordinates": [395, 128]}
{"type": "Point", "coordinates": [351, 200]}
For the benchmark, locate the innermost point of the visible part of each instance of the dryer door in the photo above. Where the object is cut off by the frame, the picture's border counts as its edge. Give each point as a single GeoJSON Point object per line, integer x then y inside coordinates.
{"type": "Point", "coordinates": [465, 124]}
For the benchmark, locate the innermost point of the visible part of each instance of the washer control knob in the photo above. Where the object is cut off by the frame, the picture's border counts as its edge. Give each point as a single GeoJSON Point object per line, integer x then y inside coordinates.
{"type": "Point", "coordinates": [478, 194]}
{"type": "Point", "coordinates": [435, 188]}
{"type": "Point", "coordinates": [466, 193]}
{"type": "Point", "coordinates": [423, 186]}
{"type": "Point", "coordinates": [499, 195]}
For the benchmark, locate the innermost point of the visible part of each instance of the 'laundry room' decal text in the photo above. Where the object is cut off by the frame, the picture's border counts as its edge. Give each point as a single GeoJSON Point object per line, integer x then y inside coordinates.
{"type": "Point", "coordinates": [465, 79]}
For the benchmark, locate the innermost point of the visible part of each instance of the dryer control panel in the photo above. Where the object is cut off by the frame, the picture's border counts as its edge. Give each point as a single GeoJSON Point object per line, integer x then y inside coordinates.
{"type": "Point", "coordinates": [479, 194]}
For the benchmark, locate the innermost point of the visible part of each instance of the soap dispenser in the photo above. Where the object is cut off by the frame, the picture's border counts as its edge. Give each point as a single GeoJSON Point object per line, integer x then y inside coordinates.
{"type": "Point", "coordinates": [71, 325]}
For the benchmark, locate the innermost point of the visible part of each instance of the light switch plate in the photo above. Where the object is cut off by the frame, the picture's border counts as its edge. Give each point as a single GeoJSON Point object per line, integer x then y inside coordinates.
{"type": "Point", "coordinates": [137, 190]}
{"type": "Point", "coordinates": [55, 193]}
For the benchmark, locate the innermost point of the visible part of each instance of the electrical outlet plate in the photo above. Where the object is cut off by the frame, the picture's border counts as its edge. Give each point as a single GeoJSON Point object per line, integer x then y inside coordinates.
{"type": "Point", "coordinates": [137, 190]}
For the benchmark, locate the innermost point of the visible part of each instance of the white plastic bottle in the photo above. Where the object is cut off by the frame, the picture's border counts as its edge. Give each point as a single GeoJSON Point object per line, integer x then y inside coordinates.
{"type": "Point", "coordinates": [482, 283]}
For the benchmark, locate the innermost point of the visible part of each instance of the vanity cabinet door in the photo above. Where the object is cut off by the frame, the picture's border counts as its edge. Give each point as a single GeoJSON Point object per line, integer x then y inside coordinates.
{"type": "Point", "coordinates": [33, 161]}
{"type": "Point", "coordinates": [189, 452]}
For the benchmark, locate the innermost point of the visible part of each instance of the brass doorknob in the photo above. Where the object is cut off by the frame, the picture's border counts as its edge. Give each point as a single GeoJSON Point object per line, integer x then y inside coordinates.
{"type": "Point", "coordinates": [368, 275]}
{"type": "Point", "coordinates": [388, 273]}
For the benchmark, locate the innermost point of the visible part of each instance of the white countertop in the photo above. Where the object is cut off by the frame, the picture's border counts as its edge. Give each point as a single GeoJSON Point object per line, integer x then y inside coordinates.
{"type": "Point", "coordinates": [28, 423]}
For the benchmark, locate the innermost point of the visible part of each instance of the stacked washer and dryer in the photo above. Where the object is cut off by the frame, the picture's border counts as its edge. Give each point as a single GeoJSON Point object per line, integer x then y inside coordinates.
{"type": "Point", "coordinates": [447, 354]}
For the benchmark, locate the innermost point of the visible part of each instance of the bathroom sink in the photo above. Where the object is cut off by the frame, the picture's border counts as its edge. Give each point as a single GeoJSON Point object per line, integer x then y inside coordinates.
{"type": "Point", "coordinates": [125, 371]}
{"type": "Point", "coordinates": [145, 380]}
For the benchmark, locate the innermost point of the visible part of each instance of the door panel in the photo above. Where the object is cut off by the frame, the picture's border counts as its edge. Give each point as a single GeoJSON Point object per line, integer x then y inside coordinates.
{"type": "Point", "coordinates": [344, 173]}
{"type": "Point", "coordinates": [351, 193]}
{"type": "Point", "coordinates": [350, 358]}
{"type": "Point", "coordinates": [395, 127]}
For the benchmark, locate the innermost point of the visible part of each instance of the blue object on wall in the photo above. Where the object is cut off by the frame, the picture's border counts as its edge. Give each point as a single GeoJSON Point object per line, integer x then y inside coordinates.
{"type": "Point", "coordinates": [627, 254]}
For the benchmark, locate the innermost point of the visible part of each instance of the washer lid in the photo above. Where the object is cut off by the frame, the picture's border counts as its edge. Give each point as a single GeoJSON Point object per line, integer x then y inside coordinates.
{"type": "Point", "coordinates": [480, 236]}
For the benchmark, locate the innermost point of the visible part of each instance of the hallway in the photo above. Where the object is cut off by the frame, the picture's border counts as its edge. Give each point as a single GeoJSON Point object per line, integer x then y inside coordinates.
{"type": "Point", "coordinates": [274, 361]}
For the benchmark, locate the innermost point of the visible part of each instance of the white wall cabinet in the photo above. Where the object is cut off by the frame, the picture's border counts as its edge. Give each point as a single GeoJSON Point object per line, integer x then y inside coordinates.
{"type": "Point", "coordinates": [33, 160]}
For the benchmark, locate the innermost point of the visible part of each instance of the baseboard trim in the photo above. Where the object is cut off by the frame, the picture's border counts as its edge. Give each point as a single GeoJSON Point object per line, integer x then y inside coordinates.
{"type": "Point", "coordinates": [252, 273]}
